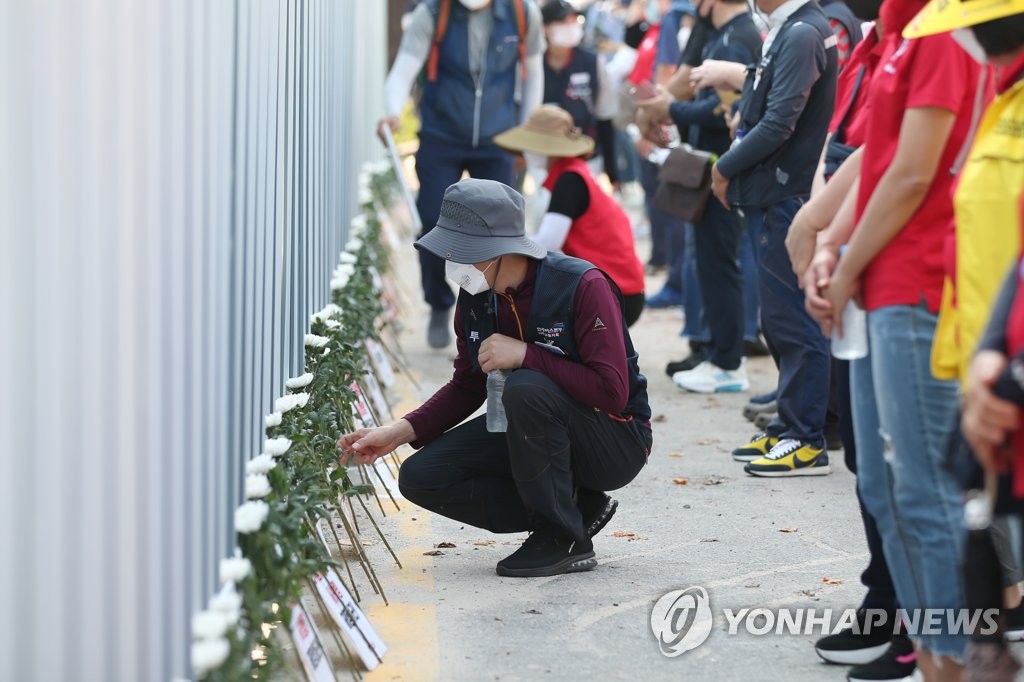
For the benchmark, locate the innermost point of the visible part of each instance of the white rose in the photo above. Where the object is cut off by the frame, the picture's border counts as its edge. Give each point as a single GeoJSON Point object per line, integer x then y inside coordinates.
{"type": "Point", "coordinates": [301, 399]}
{"type": "Point", "coordinates": [234, 569]}
{"type": "Point", "coordinates": [348, 258]}
{"type": "Point", "coordinates": [272, 419]}
{"type": "Point", "coordinates": [209, 654]}
{"type": "Point", "coordinates": [260, 464]}
{"type": "Point", "coordinates": [249, 517]}
{"type": "Point", "coordinates": [326, 351]}
{"type": "Point", "coordinates": [256, 486]}
{"type": "Point", "coordinates": [345, 270]}
{"type": "Point", "coordinates": [275, 447]}
{"type": "Point", "coordinates": [316, 341]}
{"type": "Point", "coordinates": [329, 310]}
{"type": "Point", "coordinates": [354, 244]}
{"type": "Point", "coordinates": [227, 603]}
{"type": "Point", "coordinates": [365, 196]}
{"type": "Point", "coordinates": [332, 324]}
{"type": "Point", "coordinates": [339, 283]}
{"type": "Point", "coordinates": [208, 625]}
{"type": "Point", "coordinates": [299, 382]}
{"type": "Point", "coordinates": [285, 403]}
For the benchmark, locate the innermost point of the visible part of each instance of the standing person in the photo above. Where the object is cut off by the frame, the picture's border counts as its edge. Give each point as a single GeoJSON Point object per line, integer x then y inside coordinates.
{"type": "Point", "coordinates": [921, 101]}
{"type": "Point", "coordinates": [581, 221]}
{"type": "Point", "coordinates": [477, 54]}
{"type": "Point", "coordinates": [575, 79]}
{"type": "Point", "coordinates": [733, 37]}
{"type": "Point", "coordinates": [574, 397]}
{"type": "Point", "coordinates": [787, 103]}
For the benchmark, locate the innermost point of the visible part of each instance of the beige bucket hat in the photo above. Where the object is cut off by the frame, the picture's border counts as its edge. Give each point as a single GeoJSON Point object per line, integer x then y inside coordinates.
{"type": "Point", "coordinates": [549, 131]}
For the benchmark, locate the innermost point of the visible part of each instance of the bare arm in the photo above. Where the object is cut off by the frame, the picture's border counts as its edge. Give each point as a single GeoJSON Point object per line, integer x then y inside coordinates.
{"type": "Point", "coordinates": [901, 189]}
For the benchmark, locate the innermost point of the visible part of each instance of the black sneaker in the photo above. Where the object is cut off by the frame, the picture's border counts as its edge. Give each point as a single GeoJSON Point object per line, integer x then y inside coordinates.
{"type": "Point", "coordinates": [896, 664]}
{"type": "Point", "coordinates": [853, 646]}
{"type": "Point", "coordinates": [544, 553]}
{"type": "Point", "coordinates": [698, 354]}
{"type": "Point", "coordinates": [597, 509]}
{"type": "Point", "coordinates": [755, 349]}
{"type": "Point", "coordinates": [1014, 624]}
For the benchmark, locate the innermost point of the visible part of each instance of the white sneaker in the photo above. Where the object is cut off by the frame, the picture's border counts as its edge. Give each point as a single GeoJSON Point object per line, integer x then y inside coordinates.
{"type": "Point", "coordinates": [709, 378]}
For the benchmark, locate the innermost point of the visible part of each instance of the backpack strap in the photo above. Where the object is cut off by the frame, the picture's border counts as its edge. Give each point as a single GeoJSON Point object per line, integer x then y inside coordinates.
{"type": "Point", "coordinates": [441, 27]}
{"type": "Point", "coordinates": [521, 25]}
{"type": "Point", "coordinates": [840, 133]}
{"type": "Point", "coordinates": [444, 14]}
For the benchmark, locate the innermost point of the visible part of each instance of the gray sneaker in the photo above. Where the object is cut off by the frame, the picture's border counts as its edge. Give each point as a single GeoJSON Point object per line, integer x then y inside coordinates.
{"type": "Point", "coordinates": [763, 419]}
{"type": "Point", "coordinates": [438, 333]}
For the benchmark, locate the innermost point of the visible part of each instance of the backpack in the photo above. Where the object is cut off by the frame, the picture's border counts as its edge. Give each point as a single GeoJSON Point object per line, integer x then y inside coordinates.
{"type": "Point", "coordinates": [441, 27]}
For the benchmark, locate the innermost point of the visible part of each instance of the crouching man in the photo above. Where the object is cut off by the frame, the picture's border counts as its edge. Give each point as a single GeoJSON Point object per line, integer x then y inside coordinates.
{"type": "Point", "coordinates": [574, 397]}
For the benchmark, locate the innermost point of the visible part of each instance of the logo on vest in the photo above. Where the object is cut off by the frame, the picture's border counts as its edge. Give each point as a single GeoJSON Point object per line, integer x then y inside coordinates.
{"type": "Point", "coordinates": [474, 335]}
{"type": "Point", "coordinates": [598, 324]}
{"type": "Point", "coordinates": [553, 332]}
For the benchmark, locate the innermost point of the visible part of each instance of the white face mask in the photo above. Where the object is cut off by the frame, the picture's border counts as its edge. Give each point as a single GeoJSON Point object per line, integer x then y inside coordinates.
{"type": "Point", "coordinates": [566, 35]}
{"type": "Point", "coordinates": [966, 39]}
{"type": "Point", "coordinates": [474, 5]}
{"type": "Point", "coordinates": [466, 275]}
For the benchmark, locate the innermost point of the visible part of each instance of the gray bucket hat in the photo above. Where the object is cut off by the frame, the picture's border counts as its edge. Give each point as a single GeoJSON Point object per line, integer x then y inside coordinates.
{"type": "Point", "coordinates": [480, 220]}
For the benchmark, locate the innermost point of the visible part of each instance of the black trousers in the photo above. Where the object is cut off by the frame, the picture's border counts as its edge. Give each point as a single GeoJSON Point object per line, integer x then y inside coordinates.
{"type": "Point", "coordinates": [717, 240]}
{"type": "Point", "coordinates": [525, 478]}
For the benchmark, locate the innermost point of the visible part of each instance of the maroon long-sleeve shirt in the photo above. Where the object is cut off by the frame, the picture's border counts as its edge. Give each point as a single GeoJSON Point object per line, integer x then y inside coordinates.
{"type": "Point", "coordinates": [600, 381]}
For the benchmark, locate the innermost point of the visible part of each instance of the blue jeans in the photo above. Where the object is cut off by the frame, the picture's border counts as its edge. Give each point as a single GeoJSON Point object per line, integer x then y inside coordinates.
{"type": "Point", "coordinates": [751, 286]}
{"type": "Point", "coordinates": [902, 416]}
{"type": "Point", "coordinates": [438, 165]}
{"type": "Point", "coordinates": [695, 327]}
{"type": "Point", "coordinates": [800, 350]}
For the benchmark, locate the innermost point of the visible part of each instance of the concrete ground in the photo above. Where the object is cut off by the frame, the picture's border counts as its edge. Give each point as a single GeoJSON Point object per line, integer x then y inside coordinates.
{"type": "Point", "coordinates": [691, 518]}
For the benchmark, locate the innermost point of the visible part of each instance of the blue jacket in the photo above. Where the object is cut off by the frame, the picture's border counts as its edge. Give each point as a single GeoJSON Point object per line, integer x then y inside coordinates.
{"type": "Point", "coordinates": [469, 109]}
{"type": "Point", "coordinates": [787, 105]}
{"type": "Point", "coordinates": [575, 88]}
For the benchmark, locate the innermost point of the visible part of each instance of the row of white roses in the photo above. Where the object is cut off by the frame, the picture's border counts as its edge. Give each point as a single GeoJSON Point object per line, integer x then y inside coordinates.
{"type": "Point", "coordinates": [210, 646]}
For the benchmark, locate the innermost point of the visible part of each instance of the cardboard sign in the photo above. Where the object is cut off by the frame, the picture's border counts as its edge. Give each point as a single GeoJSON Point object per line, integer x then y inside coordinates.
{"type": "Point", "coordinates": [359, 634]}
{"type": "Point", "coordinates": [307, 644]}
{"type": "Point", "coordinates": [380, 403]}
{"type": "Point", "coordinates": [380, 362]}
{"type": "Point", "coordinates": [360, 409]}
{"type": "Point", "coordinates": [388, 478]}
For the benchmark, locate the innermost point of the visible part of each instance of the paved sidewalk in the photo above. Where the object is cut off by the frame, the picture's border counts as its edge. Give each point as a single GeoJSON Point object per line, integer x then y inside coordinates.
{"type": "Point", "coordinates": [749, 542]}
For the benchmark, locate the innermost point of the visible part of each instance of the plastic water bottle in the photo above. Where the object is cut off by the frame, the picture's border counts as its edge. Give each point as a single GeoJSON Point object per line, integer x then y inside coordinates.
{"type": "Point", "coordinates": [853, 345]}
{"type": "Point", "coordinates": [496, 420]}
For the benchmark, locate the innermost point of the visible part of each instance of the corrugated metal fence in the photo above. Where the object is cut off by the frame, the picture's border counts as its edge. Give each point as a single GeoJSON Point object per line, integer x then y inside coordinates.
{"type": "Point", "coordinates": [176, 179]}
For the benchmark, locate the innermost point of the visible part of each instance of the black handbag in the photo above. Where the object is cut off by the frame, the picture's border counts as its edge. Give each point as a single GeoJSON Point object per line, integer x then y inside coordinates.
{"type": "Point", "coordinates": [685, 187]}
{"type": "Point", "coordinates": [837, 151]}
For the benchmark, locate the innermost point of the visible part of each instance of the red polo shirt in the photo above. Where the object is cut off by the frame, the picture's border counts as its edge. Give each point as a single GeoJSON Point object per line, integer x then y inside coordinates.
{"type": "Point", "coordinates": [928, 72]}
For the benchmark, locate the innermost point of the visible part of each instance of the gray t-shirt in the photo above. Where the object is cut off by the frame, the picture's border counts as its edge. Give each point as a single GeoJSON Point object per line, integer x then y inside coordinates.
{"type": "Point", "coordinates": [419, 34]}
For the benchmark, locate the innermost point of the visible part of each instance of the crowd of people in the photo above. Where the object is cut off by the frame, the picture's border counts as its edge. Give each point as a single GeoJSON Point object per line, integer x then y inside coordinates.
{"type": "Point", "coordinates": [817, 175]}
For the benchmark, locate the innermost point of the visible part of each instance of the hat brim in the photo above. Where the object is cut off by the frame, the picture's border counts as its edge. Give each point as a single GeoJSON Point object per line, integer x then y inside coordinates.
{"type": "Point", "coordinates": [524, 139]}
{"type": "Point", "coordinates": [942, 16]}
{"type": "Point", "coordinates": [458, 247]}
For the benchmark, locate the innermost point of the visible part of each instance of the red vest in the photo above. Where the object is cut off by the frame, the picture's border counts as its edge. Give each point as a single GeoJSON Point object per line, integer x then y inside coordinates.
{"type": "Point", "coordinates": [603, 235]}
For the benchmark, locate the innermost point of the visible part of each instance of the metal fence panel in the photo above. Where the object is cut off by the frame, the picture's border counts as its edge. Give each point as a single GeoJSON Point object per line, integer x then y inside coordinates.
{"type": "Point", "coordinates": [176, 180]}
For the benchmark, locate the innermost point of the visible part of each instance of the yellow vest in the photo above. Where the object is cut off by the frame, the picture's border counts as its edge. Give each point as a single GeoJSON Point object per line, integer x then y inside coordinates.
{"type": "Point", "coordinates": [987, 208]}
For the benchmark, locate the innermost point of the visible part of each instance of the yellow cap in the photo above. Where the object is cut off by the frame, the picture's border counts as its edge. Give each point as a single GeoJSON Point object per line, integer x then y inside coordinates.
{"type": "Point", "coordinates": [941, 16]}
